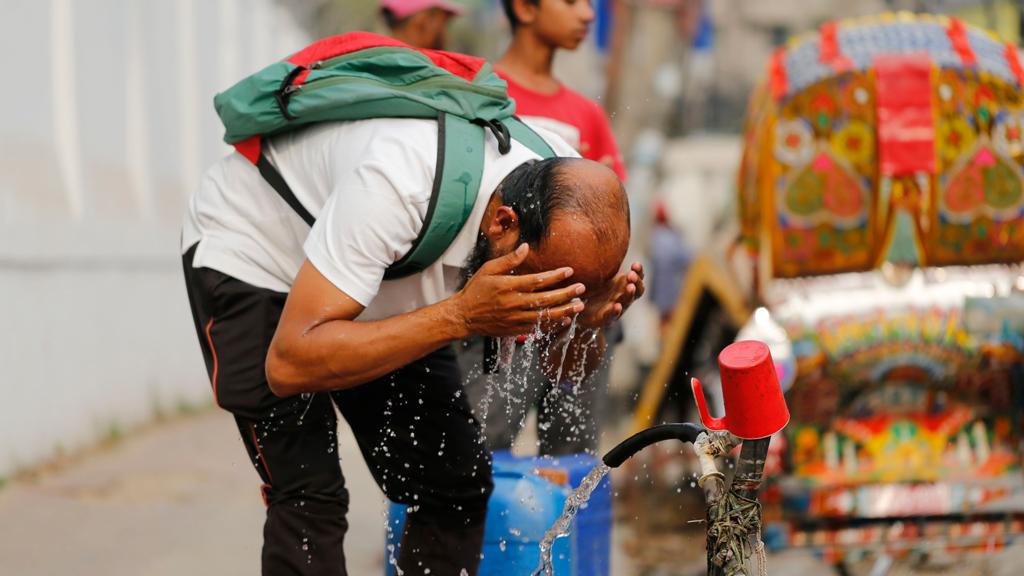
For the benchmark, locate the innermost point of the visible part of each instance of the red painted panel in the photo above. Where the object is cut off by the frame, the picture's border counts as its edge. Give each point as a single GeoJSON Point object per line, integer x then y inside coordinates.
{"type": "Point", "coordinates": [906, 126]}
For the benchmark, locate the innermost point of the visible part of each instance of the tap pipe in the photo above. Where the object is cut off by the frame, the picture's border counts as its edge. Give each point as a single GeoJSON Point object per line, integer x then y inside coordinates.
{"type": "Point", "coordinates": [709, 446]}
{"type": "Point", "coordinates": [684, 432]}
{"type": "Point", "coordinates": [745, 484]}
{"type": "Point", "coordinates": [750, 467]}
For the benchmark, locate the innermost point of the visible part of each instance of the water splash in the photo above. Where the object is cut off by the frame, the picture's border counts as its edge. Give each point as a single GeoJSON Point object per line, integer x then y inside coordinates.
{"type": "Point", "coordinates": [565, 348]}
{"type": "Point", "coordinates": [561, 527]}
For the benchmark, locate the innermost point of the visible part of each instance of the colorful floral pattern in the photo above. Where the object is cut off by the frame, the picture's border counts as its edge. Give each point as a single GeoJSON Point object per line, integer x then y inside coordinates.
{"type": "Point", "coordinates": [951, 90]}
{"type": "Point", "coordinates": [956, 136]}
{"type": "Point", "coordinates": [855, 142]}
{"type": "Point", "coordinates": [987, 182]}
{"type": "Point", "coordinates": [825, 190]}
{"type": "Point", "coordinates": [856, 95]}
{"type": "Point", "coordinates": [823, 110]}
{"type": "Point", "coordinates": [794, 142]}
{"type": "Point", "coordinates": [1008, 135]}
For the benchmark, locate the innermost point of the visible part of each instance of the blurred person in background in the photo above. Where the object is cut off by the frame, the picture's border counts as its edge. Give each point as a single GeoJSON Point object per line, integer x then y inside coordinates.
{"type": "Point", "coordinates": [569, 412]}
{"type": "Point", "coordinates": [670, 260]}
{"type": "Point", "coordinates": [420, 23]}
{"type": "Point", "coordinates": [540, 28]}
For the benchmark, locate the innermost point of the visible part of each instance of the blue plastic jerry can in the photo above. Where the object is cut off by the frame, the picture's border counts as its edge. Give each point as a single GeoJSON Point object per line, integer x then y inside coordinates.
{"type": "Point", "coordinates": [529, 494]}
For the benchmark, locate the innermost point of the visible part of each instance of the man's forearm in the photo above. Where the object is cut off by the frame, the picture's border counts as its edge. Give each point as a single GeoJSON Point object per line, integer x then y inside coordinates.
{"type": "Point", "coordinates": [319, 346]}
{"type": "Point", "coordinates": [339, 354]}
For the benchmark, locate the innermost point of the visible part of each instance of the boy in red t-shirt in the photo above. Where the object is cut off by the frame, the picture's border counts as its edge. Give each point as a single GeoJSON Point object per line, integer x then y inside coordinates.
{"type": "Point", "coordinates": [539, 29]}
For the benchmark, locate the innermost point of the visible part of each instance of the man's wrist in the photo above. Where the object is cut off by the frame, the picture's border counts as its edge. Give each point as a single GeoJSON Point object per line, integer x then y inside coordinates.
{"type": "Point", "coordinates": [455, 324]}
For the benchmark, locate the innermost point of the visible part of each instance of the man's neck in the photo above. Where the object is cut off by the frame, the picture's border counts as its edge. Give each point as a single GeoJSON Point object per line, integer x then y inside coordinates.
{"type": "Point", "coordinates": [528, 62]}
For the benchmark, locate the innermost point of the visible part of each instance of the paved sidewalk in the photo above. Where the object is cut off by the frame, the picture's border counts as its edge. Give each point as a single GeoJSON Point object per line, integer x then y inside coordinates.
{"type": "Point", "coordinates": [177, 499]}
{"type": "Point", "coordinates": [181, 499]}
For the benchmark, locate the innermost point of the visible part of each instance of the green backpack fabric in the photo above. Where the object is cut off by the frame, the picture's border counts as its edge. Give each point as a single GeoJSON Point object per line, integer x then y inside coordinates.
{"type": "Point", "coordinates": [358, 76]}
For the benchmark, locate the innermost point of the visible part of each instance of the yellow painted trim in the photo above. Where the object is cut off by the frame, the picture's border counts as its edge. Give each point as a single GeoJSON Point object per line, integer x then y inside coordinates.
{"type": "Point", "coordinates": [702, 275]}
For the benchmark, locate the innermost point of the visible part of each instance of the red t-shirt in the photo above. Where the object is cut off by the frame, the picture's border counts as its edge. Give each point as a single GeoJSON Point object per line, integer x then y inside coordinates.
{"type": "Point", "coordinates": [579, 120]}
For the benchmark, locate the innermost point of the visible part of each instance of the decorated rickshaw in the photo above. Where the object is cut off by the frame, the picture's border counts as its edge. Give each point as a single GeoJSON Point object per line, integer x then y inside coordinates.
{"type": "Point", "coordinates": [882, 206]}
{"type": "Point", "coordinates": [881, 210]}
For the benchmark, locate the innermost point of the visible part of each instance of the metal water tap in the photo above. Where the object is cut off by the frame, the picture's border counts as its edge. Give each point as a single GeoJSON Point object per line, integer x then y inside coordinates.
{"type": "Point", "coordinates": [733, 513]}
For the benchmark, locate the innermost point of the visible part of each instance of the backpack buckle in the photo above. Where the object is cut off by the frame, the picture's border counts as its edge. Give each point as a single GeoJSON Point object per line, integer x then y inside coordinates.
{"type": "Point", "coordinates": [500, 131]}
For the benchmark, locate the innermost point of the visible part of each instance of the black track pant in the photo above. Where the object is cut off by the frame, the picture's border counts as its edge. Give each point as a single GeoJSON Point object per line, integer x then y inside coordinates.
{"type": "Point", "coordinates": [414, 428]}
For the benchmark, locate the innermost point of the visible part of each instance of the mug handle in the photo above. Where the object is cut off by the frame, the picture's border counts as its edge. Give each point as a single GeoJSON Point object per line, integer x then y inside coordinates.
{"type": "Point", "coordinates": [702, 407]}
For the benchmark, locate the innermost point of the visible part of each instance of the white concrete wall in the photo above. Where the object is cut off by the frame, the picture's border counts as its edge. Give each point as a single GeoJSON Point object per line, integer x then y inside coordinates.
{"type": "Point", "coordinates": [106, 123]}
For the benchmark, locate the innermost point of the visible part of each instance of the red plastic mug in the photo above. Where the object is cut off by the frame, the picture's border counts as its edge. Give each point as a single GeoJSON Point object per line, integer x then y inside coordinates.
{"type": "Point", "coordinates": [754, 404]}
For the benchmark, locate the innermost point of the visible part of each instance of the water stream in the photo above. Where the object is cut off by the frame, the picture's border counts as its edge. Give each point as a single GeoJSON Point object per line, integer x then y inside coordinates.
{"type": "Point", "coordinates": [561, 527]}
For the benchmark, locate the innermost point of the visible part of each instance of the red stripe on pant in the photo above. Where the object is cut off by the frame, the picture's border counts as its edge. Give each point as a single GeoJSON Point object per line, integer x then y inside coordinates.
{"type": "Point", "coordinates": [213, 352]}
{"type": "Point", "coordinates": [263, 459]}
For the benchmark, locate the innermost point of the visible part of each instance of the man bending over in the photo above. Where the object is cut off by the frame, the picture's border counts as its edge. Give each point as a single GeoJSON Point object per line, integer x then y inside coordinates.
{"type": "Point", "coordinates": [294, 321]}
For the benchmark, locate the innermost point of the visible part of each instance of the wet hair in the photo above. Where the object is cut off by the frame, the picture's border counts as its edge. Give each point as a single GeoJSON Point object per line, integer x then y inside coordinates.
{"type": "Point", "coordinates": [538, 189]}
{"type": "Point", "coordinates": [510, 11]}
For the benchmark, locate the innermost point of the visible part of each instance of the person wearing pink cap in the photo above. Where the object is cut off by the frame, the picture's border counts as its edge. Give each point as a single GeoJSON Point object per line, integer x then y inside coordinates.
{"type": "Point", "coordinates": [419, 23]}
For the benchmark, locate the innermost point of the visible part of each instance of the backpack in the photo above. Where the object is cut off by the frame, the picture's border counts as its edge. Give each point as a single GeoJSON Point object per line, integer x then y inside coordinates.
{"type": "Point", "coordinates": [359, 75]}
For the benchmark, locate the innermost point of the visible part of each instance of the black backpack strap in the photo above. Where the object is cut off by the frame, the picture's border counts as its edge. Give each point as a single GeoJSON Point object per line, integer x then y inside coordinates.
{"type": "Point", "coordinates": [276, 181]}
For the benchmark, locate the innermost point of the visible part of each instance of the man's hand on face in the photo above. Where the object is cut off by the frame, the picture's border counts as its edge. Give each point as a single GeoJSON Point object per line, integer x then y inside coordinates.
{"type": "Point", "coordinates": [496, 303]}
{"type": "Point", "coordinates": [615, 298]}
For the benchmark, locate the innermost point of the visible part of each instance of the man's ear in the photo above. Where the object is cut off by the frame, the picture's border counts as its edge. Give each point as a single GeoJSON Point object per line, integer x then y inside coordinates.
{"type": "Point", "coordinates": [502, 230]}
{"type": "Point", "coordinates": [504, 220]}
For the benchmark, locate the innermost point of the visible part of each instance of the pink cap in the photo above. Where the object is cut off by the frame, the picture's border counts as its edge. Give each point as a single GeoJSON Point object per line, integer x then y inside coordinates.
{"type": "Point", "coordinates": [405, 8]}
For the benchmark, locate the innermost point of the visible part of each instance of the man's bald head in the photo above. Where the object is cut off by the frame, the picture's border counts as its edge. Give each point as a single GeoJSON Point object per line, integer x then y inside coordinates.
{"type": "Point", "coordinates": [573, 212]}
{"type": "Point", "coordinates": [544, 190]}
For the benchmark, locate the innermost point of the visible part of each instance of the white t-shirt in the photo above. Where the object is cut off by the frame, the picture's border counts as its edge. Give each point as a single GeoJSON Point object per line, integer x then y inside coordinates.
{"type": "Point", "coordinates": [368, 184]}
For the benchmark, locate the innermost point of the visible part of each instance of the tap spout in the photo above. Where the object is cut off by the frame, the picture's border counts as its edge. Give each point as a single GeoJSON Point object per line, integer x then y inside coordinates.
{"type": "Point", "coordinates": [684, 432]}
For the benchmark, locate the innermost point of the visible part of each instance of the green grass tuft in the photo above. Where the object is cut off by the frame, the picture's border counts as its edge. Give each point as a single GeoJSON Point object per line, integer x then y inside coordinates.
{"type": "Point", "coordinates": [114, 432]}
{"type": "Point", "coordinates": [186, 408]}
